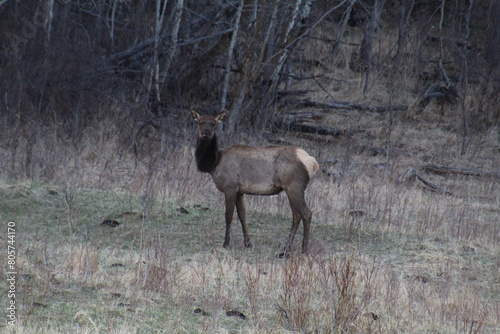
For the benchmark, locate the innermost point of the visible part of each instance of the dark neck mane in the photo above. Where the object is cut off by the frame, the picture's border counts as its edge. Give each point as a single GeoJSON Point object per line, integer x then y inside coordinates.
{"type": "Point", "coordinates": [207, 154]}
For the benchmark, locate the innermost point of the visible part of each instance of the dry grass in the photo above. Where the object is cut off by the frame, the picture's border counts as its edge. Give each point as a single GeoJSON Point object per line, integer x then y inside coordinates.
{"type": "Point", "coordinates": [387, 256]}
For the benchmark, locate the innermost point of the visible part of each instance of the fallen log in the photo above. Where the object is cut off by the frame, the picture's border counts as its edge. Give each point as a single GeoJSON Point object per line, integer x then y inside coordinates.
{"type": "Point", "coordinates": [304, 123]}
{"type": "Point", "coordinates": [316, 129]}
{"type": "Point", "coordinates": [303, 117]}
{"type": "Point", "coordinates": [461, 171]}
{"type": "Point", "coordinates": [412, 175]}
{"type": "Point", "coordinates": [347, 106]}
{"type": "Point", "coordinates": [283, 93]}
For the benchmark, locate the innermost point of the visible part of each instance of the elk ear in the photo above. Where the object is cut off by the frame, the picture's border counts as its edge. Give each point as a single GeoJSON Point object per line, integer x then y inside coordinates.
{"type": "Point", "coordinates": [221, 116]}
{"type": "Point", "coordinates": [195, 114]}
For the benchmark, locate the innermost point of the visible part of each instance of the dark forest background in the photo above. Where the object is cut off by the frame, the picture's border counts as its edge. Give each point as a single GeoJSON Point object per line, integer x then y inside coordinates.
{"type": "Point", "coordinates": [66, 66]}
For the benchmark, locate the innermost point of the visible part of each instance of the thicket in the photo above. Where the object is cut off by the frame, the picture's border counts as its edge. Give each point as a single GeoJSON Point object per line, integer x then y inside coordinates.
{"type": "Point", "coordinates": [67, 65]}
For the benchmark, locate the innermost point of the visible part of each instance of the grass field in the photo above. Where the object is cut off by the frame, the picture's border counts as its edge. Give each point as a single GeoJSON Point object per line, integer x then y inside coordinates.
{"type": "Point", "coordinates": [388, 255]}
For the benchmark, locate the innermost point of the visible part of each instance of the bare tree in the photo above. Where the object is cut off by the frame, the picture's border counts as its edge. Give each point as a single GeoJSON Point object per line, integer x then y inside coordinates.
{"type": "Point", "coordinates": [340, 35]}
{"type": "Point", "coordinates": [287, 43]}
{"type": "Point", "coordinates": [405, 10]}
{"type": "Point", "coordinates": [230, 52]}
{"type": "Point", "coordinates": [367, 42]}
{"type": "Point", "coordinates": [49, 10]}
{"type": "Point", "coordinates": [257, 63]}
{"type": "Point", "coordinates": [465, 76]}
{"type": "Point", "coordinates": [155, 72]}
{"type": "Point", "coordinates": [441, 46]}
{"type": "Point", "coordinates": [167, 62]}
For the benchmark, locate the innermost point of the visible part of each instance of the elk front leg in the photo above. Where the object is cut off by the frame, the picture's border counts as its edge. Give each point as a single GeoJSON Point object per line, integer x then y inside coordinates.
{"type": "Point", "coordinates": [230, 204]}
{"type": "Point", "coordinates": [300, 212]}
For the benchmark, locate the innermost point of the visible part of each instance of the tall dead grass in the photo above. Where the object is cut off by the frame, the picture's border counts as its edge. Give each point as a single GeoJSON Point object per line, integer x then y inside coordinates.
{"type": "Point", "coordinates": [388, 256]}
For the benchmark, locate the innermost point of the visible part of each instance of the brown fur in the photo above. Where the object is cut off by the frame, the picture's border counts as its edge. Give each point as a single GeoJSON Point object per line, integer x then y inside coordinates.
{"type": "Point", "coordinates": [268, 170]}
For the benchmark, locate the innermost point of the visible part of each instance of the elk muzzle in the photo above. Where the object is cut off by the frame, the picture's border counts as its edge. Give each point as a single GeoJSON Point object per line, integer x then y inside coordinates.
{"type": "Point", "coordinates": [206, 133]}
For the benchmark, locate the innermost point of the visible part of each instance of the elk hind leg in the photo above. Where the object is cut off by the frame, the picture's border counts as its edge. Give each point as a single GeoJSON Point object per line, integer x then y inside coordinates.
{"type": "Point", "coordinates": [300, 211]}
{"type": "Point", "coordinates": [291, 236]}
{"type": "Point", "coordinates": [306, 219]}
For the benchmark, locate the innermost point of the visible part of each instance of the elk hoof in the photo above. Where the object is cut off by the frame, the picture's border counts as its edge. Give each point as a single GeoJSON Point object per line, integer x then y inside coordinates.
{"type": "Point", "coordinates": [248, 244]}
{"type": "Point", "coordinates": [225, 245]}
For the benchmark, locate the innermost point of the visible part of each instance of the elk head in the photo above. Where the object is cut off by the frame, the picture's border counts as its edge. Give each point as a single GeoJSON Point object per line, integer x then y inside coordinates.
{"type": "Point", "coordinates": [207, 124]}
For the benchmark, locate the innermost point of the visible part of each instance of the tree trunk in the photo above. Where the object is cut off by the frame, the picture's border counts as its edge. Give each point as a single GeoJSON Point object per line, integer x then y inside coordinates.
{"type": "Point", "coordinates": [286, 44]}
{"type": "Point", "coordinates": [405, 11]}
{"type": "Point", "coordinates": [257, 68]}
{"type": "Point", "coordinates": [179, 5]}
{"type": "Point", "coordinates": [230, 51]}
{"type": "Point", "coordinates": [112, 28]}
{"type": "Point", "coordinates": [155, 70]}
{"type": "Point", "coordinates": [343, 26]}
{"type": "Point", "coordinates": [49, 16]}
{"type": "Point", "coordinates": [441, 47]}
{"type": "Point", "coordinates": [367, 43]}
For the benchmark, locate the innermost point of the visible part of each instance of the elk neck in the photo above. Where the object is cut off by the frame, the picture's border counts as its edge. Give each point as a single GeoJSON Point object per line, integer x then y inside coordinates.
{"type": "Point", "coordinates": [207, 154]}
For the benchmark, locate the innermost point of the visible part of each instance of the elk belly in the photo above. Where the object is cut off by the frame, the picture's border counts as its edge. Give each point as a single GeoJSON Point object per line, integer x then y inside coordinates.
{"type": "Point", "coordinates": [264, 188]}
{"type": "Point", "coordinates": [257, 178]}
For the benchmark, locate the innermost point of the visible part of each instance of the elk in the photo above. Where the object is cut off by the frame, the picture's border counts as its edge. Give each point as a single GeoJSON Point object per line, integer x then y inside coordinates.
{"type": "Point", "coordinates": [241, 169]}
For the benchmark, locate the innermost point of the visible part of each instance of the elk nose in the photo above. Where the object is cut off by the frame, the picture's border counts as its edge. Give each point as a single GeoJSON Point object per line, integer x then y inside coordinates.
{"type": "Point", "coordinates": [206, 132]}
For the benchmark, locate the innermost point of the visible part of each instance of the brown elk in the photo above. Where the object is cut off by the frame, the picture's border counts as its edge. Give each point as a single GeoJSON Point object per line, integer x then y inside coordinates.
{"type": "Point", "coordinates": [241, 169]}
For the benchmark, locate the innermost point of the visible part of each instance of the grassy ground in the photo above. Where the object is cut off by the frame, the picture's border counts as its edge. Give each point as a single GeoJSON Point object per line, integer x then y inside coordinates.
{"type": "Point", "coordinates": [386, 257]}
